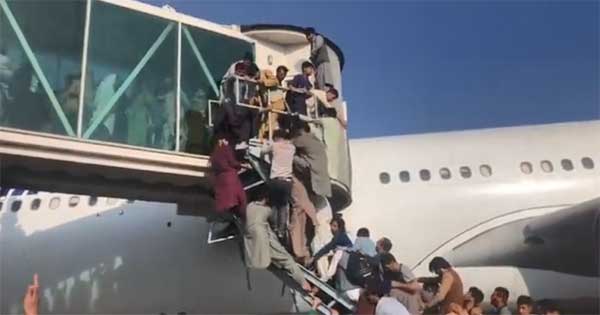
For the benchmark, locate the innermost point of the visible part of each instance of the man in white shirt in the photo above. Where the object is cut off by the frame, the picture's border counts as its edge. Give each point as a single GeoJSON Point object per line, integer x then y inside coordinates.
{"type": "Point", "coordinates": [390, 306]}
{"type": "Point", "coordinates": [385, 305]}
{"type": "Point", "coordinates": [280, 185]}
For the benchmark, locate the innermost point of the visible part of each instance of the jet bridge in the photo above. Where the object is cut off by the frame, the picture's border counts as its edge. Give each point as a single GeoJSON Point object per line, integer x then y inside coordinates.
{"type": "Point", "coordinates": [115, 98]}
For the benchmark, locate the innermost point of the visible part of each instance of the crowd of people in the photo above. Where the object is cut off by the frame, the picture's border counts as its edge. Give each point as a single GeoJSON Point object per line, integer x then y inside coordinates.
{"type": "Point", "coordinates": [249, 92]}
{"type": "Point", "coordinates": [143, 115]}
{"type": "Point", "coordinates": [298, 176]}
{"type": "Point", "coordinates": [290, 222]}
{"type": "Point", "coordinates": [384, 286]}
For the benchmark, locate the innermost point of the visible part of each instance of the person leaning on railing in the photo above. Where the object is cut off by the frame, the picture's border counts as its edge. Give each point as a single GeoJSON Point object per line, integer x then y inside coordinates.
{"type": "Point", "coordinates": [230, 196]}
{"type": "Point", "coordinates": [328, 105]}
{"type": "Point", "coordinates": [232, 119]}
{"type": "Point", "coordinates": [273, 96]}
{"type": "Point", "coordinates": [300, 87]}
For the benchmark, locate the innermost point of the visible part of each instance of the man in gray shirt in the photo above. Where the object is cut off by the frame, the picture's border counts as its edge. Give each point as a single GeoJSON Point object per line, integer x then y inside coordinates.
{"type": "Point", "coordinates": [499, 300]}
{"type": "Point", "coordinates": [319, 56]}
{"type": "Point", "coordinates": [404, 286]}
{"type": "Point", "coordinates": [262, 248]}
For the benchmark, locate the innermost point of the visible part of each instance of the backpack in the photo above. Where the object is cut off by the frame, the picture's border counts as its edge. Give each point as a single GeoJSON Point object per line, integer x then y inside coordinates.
{"type": "Point", "coordinates": [360, 268]}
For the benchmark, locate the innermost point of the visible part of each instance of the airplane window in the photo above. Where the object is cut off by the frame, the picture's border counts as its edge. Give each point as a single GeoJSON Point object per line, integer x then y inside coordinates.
{"type": "Point", "coordinates": [465, 172]}
{"type": "Point", "coordinates": [445, 173]}
{"type": "Point", "coordinates": [404, 176]}
{"type": "Point", "coordinates": [92, 201]}
{"type": "Point", "coordinates": [526, 168]}
{"type": "Point", "coordinates": [547, 166]}
{"type": "Point", "coordinates": [567, 165]}
{"type": "Point", "coordinates": [35, 204]}
{"type": "Point", "coordinates": [587, 163]}
{"type": "Point", "coordinates": [384, 178]}
{"type": "Point", "coordinates": [15, 206]}
{"type": "Point", "coordinates": [54, 203]}
{"type": "Point", "coordinates": [425, 175]}
{"type": "Point", "coordinates": [73, 201]}
{"type": "Point", "coordinates": [485, 170]}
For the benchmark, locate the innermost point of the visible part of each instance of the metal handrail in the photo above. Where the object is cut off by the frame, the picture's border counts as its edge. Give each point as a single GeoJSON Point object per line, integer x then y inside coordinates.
{"type": "Point", "coordinates": [259, 108]}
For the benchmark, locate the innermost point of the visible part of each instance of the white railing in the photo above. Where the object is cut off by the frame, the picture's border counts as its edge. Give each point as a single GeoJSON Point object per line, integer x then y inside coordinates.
{"type": "Point", "coordinates": [328, 129]}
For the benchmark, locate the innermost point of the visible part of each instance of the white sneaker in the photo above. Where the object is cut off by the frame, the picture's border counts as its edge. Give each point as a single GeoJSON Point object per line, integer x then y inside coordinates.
{"type": "Point", "coordinates": [241, 146]}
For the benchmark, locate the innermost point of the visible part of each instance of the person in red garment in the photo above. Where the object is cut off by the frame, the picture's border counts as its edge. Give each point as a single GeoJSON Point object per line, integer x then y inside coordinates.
{"type": "Point", "coordinates": [229, 193]}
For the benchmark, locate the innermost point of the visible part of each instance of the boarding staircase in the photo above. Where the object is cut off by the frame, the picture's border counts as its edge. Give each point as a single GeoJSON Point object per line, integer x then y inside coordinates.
{"type": "Point", "coordinates": [253, 179]}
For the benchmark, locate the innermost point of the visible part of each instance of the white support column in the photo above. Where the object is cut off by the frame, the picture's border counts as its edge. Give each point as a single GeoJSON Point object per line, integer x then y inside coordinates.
{"type": "Point", "coordinates": [178, 91]}
{"type": "Point", "coordinates": [84, 59]}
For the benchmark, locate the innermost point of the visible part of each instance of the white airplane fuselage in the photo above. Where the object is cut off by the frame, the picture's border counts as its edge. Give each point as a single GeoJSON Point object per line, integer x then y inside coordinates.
{"type": "Point", "coordinates": [142, 258]}
{"type": "Point", "coordinates": [428, 218]}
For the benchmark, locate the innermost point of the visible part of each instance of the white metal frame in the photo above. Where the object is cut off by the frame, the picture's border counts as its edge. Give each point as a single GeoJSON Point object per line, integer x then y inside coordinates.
{"type": "Point", "coordinates": [180, 18]}
{"type": "Point", "coordinates": [201, 60]}
{"type": "Point", "coordinates": [36, 67]}
{"type": "Point", "coordinates": [210, 239]}
{"type": "Point", "coordinates": [178, 92]}
{"type": "Point", "coordinates": [134, 73]}
{"type": "Point", "coordinates": [84, 58]}
{"type": "Point", "coordinates": [210, 104]}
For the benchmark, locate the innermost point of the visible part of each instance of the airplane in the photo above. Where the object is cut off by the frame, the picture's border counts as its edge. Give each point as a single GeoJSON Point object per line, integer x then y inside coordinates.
{"type": "Point", "coordinates": [513, 206]}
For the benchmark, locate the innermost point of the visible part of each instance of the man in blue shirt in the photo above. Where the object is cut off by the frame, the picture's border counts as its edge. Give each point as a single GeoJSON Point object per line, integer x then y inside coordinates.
{"type": "Point", "coordinates": [300, 87]}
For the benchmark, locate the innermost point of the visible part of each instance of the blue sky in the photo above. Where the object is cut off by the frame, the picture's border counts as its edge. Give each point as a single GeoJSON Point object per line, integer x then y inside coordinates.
{"type": "Point", "coordinates": [426, 66]}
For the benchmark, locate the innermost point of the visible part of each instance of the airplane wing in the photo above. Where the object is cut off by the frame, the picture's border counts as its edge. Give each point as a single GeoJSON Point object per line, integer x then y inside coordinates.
{"type": "Point", "coordinates": [566, 241]}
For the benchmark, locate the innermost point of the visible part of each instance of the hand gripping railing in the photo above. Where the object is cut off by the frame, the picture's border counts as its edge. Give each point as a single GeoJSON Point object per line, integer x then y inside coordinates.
{"type": "Point", "coordinates": [269, 108]}
{"type": "Point", "coordinates": [332, 293]}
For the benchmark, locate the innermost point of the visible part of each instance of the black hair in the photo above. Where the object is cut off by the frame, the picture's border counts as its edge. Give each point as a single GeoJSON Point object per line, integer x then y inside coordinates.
{"type": "Point", "coordinates": [363, 232]}
{"type": "Point", "coordinates": [374, 286]}
{"type": "Point", "coordinates": [438, 263]}
{"type": "Point", "coordinates": [300, 125]}
{"type": "Point", "coordinates": [296, 125]}
{"type": "Point", "coordinates": [386, 244]}
{"type": "Point", "coordinates": [547, 306]}
{"type": "Point", "coordinates": [503, 291]}
{"type": "Point", "coordinates": [262, 194]}
{"type": "Point", "coordinates": [477, 295]}
{"type": "Point", "coordinates": [309, 31]}
{"type": "Point", "coordinates": [253, 70]}
{"type": "Point", "coordinates": [524, 300]}
{"type": "Point", "coordinates": [222, 135]}
{"type": "Point", "coordinates": [248, 56]}
{"type": "Point", "coordinates": [334, 92]}
{"type": "Point", "coordinates": [340, 223]}
{"type": "Point", "coordinates": [284, 68]}
{"type": "Point", "coordinates": [386, 259]}
{"type": "Point", "coordinates": [281, 134]}
{"type": "Point", "coordinates": [327, 112]}
{"type": "Point", "coordinates": [72, 78]}
{"type": "Point", "coordinates": [307, 64]}
{"type": "Point", "coordinates": [329, 85]}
